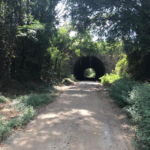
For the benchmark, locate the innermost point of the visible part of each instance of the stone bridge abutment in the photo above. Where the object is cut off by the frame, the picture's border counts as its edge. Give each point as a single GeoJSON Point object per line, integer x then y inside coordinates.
{"type": "Point", "coordinates": [101, 64]}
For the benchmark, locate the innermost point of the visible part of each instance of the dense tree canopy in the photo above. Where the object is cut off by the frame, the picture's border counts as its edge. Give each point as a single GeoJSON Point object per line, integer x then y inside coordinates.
{"type": "Point", "coordinates": [125, 20]}
{"type": "Point", "coordinates": [25, 27]}
{"type": "Point", "coordinates": [32, 44]}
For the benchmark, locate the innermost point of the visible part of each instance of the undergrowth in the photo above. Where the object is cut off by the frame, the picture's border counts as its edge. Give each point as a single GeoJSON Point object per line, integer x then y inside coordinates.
{"type": "Point", "coordinates": [3, 99]}
{"type": "Point", "coordinates": [119, 72]}
{"type": "Point", "coordinates": [134, 98]}
{"type": "Point", "coordinates": [27, 105]}
{"type": "Point", "coordinates": [139, 110]}
{"type": "Point", "coordinates": [7, 127]}
{"type": "Point", "coordinates": [108, 79]}
{"type": "Point", "coordinates": [37, 100]}
{"type": "Point", "coordinates": [120, 89]}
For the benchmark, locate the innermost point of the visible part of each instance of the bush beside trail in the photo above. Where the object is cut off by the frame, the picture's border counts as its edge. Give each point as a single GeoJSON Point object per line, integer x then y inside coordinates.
{"type": "Point", "coordinates": [27, 107]}
{"type": "Point", "coordinates": [68, 81]}
{"type": "Point", "coordinates": [134, 98]}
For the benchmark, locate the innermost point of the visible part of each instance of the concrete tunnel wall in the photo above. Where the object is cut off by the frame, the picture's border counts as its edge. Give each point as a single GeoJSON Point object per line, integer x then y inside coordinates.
{"type": "Point", "coordinates": [84, 63]}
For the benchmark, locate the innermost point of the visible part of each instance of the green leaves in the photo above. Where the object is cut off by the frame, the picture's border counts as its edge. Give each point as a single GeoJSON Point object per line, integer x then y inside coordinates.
{"type": "Point", "coordinates": [119, 20]}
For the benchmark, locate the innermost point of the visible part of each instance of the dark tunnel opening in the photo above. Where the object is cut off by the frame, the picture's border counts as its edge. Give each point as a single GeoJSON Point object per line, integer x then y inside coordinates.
{"type": "Point", "coordinates": [84, 63]}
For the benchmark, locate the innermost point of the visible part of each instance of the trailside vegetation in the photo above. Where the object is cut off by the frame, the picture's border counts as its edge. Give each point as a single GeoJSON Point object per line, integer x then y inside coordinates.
{"type": "Point", "coordinates": [133, 97]}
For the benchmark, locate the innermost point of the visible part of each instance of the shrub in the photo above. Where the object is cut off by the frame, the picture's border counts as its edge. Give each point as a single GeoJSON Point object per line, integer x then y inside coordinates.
{"type": "Point", "coordinates": [6, 127]}
{"type": "Point", "coordinates": [37, 100]}
{"type": "Point", "coordinates": [122, 66]}
{"type": "Point", "coordinates": [67, 81]}
{"type": "Point", "coordinates": [109, 79]}
{"type": "Point", "coordinates": [139, 110]}
{"type": "Point", "coordinates": [3, 99]}
{"type": "Point", "coordinates": [120, 89]}
{"type": "Point", "coordinates": [135, 98]}
{"type": "Point", "coordinates": [4, 130]}
{"type": "Point", "coordinates": [29, 113]}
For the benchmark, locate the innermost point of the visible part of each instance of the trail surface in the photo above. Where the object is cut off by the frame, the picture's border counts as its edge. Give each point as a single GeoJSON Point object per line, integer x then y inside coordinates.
{"type": "Point", "coordinates": [82, 118]}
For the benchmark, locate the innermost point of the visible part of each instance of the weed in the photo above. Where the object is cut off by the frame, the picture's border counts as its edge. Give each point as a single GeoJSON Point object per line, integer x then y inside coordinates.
{"type": "Point", "coordinates": [37, 100]}
{"type": "Point", "coordinates": [109, 79]}
{"type": "Point", "coordinates": [6, 127]}
{"type": "Point", "coordinates": [3, 99]}
{"type": "Point", "coordinates": [120, 89]}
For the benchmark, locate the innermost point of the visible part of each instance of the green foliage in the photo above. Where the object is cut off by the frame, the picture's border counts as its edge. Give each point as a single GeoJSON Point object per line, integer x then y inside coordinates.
{"type": "Point", "coordinates": [3, 99]}
{"type": "Point", "coordinates": [119, 72]}
{"type": "Point", "coordinates": [26, 106]}
{"type": "Point", "coordinates": [72, 77]}
{"type": "Point", "coordinates": [24, 37]}
{"type": "Point", "coordinates": [122, 66]}
{"type": "Point", "coordinates": [67, 81]}
{"type": "Point", "coordinates": [127, 22]}
{"type": "Point", "coordinates": [139, 111]}
{"type": "Point", "coordinates": [120, 89]}
{"type": "Point", "coordinates": [139, 62]}
{"type": "Point", "coordinates": [134, 97]}
{"type": "Point", "coordinates": [4, 130]}
{"type": "Point", "coordinates": [108, 79]}
{"type": "Point", "coordinates": [7, 126]}
{"type": "Point", "coordinates": [37, 100]}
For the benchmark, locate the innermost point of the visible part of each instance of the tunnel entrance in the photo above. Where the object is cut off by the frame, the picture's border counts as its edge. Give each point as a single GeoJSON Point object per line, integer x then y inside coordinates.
{"type": "Point", "coordinates": [84, 63]}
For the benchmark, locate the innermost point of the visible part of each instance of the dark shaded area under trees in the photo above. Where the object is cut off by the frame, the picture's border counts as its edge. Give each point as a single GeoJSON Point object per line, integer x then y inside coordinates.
{"type": "Point", "coordinates": [33, 48]}
{"type": "Point", "coordinates": [25, 28]}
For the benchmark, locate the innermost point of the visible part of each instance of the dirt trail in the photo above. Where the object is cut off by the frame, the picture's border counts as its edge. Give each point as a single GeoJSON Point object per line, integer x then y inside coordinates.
{"type": "Point", "coordinates": [82, 118]}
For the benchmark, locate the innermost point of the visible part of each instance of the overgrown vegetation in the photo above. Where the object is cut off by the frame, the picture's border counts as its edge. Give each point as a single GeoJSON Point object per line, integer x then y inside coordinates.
{"type": "Point", "coordinates": [3, 99]}
{"type": "Point", "coordinates": [133, 97]}
{"type": "Point", "coordinates": [108, 79]}
{"type": "Point", "coordinates": [38, 100]}
{"type": "Point", "coordinates": [27, 107]}
{"type": "Point", "coordinates": [120, 71]}
{"type": "Point", "coordinates": [7, 127]}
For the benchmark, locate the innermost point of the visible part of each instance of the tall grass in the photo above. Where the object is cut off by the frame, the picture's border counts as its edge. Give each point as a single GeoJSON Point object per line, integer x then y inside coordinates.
{"type": "Point", "coordinates": [26, 105]}
{"type": "Point", "coordinates": [38, 100]}
{"type": "Point", "coordinates": [6, 127]}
